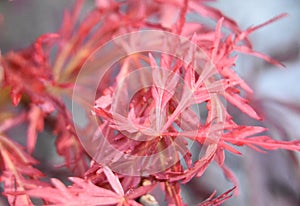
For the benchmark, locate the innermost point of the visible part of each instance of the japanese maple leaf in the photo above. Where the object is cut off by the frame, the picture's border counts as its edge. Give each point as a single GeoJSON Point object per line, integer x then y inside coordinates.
{"type": "Point", "coordinates": [84, 192]}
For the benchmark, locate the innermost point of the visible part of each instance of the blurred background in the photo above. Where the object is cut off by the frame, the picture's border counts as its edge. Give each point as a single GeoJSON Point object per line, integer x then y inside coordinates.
{"type": "Point", "coordinates": [265, 179]}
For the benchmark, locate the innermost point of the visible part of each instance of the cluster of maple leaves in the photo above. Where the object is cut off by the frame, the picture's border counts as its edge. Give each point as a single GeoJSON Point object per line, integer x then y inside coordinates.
{"type": "Point", "coordinates": [38, 78]}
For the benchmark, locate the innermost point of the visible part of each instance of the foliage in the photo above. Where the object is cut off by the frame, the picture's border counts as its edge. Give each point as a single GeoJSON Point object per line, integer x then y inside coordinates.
{"type": "Point", "coordinates": [37, 79]}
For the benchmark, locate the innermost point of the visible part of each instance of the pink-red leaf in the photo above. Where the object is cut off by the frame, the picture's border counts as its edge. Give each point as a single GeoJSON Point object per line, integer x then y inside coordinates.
{"type": "Point", "coordinates": [113, 181]}
{"type": "Point", "coordinates": [241, 103]}
{"type": "Point", "coordinates": [218, 200]}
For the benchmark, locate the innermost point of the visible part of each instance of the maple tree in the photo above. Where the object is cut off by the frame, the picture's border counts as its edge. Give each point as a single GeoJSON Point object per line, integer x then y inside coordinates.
{"type": "Point", "coordinates": [159, 122]}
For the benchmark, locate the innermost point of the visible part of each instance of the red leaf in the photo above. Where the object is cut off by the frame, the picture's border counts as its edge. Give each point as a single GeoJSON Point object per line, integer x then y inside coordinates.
{"type": "Point", "coordinates": [218, 200]}
{"type": "Point", "coordinates": [139, 191]}
{"type": "Point", "coordinates": [266, 143]}
{"type": "Point", "coordinates": [217, 38]}
{"type": "Point", "coordinates": [246, 33]}
{"type": "Point", "coordinates": [81, 193]}
{"type": "Point", "coordinates": [36, 124]}
{"type": "Point", "coordinates": [241, 103]}
{"type": "Point", "coordinates": [241, 132]}
{"type": "Point", "coordinates": [93, 189]}
{"type": "Point", "coordinates": [215, 14]}
{"type": "Point", "coordinates": [16, 95]}
{"type": "Point", "coordinates": [113, 181]}
{"type": "Point", "coordinates": [247, 50]}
